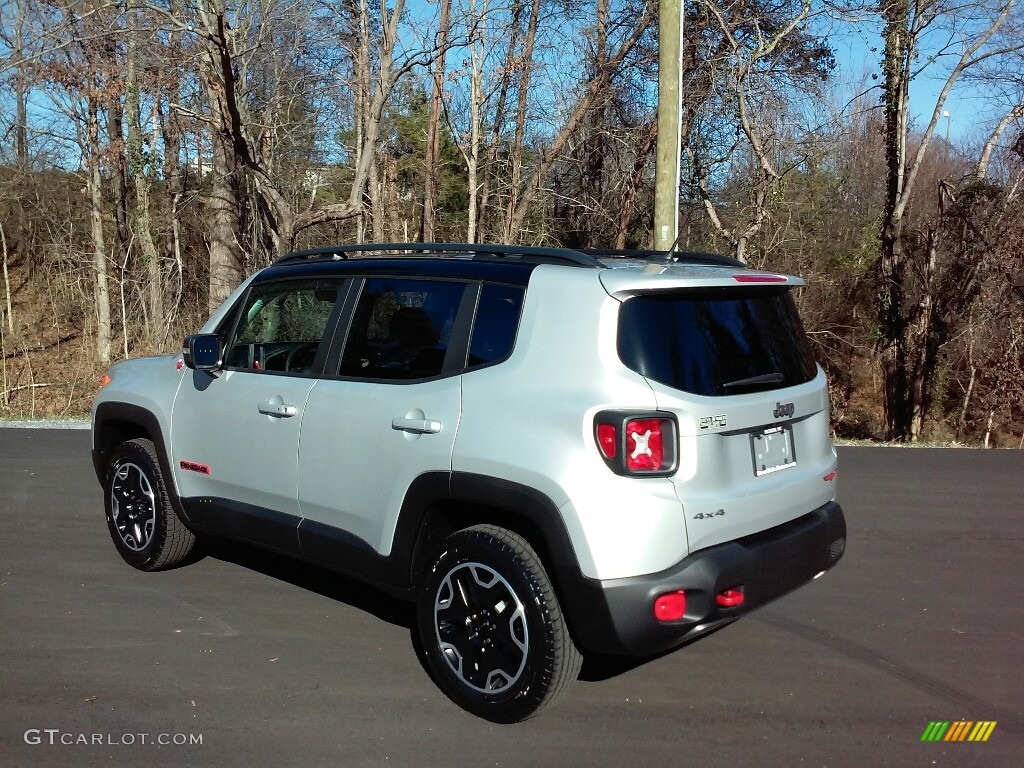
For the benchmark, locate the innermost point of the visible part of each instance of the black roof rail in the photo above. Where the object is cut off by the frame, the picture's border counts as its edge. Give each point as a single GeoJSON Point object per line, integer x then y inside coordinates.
{"type": "Point", "coordinates": [523, 253]}
{"type": "Point", "coordinates": [648, 254]}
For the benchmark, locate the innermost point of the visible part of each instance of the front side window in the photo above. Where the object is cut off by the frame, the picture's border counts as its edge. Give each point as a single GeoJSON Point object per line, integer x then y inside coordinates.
{"type": "Point", "coordinates": [281, 326]}
{"type": "Point", "coordinates": [401, 329]}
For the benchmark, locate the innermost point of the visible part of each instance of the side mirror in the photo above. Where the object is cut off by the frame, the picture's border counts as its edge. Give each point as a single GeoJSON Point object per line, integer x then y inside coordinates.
{"type": "Point", "coordinates": [202, 352]}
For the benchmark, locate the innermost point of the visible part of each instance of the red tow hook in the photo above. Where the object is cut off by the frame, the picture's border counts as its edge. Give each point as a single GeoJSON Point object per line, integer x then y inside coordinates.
{"type": "Point", "coordinates": [730, 598]}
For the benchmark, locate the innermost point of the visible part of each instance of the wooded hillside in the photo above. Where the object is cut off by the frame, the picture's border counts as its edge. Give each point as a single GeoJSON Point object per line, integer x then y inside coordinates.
{"type": "Point", "coordinates": [155, 153]}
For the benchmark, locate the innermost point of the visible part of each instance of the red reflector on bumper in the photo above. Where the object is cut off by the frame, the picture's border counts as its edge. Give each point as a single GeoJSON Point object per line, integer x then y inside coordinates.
{"type": "Point", "coordinates": [831, 475]}
{"type": "Point", "coordinates": [730, 598]}
{"type": "Point", "coordinates": [670, 607]}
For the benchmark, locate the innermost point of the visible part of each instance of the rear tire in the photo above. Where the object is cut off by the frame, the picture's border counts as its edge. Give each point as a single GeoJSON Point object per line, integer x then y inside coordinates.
{"type": "Point", "coordinates": [491, 628]}
{"type": "Point", "coordinates": [146, 531]}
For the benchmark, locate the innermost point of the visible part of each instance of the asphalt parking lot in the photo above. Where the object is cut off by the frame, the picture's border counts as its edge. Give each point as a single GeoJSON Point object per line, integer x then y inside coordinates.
{"type": "Point", "coordinates": [269, 663]}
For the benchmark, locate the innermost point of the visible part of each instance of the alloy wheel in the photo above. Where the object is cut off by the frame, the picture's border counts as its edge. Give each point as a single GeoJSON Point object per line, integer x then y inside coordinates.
{"type": "Point", "coordinates": [481, 627]}
{"type": "Point", "coordinates": [133, 506]}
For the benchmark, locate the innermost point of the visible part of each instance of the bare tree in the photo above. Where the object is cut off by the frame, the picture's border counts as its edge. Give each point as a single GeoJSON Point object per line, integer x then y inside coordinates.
{"type": "Point", "coordinates": [246, 147]}
{"type": "Point", "coordinates": [218, 76]}
{"type": "Point", "coordinates": [905, 319]}
{"type": "Point", "coordinates": [13, 37]}
{"type": "Point", "coordinates": [433, 145]}
{"type": "Point", "coordinates": [95, 187]}
{"type": "Point", "coordinates": [590, 94]}
{"type": "Point", "coordinates": [767, 56]}
{"type": "Point", "coordinates": [137, 138]}
{"type": "Point", "coordinates": [516, 152]}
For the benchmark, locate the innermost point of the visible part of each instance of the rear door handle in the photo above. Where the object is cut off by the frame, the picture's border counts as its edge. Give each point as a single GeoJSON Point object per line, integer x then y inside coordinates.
{"type": "Point", "coordinates": [276, 406]}
{"type": "Point", "coordinates": [417, 426]}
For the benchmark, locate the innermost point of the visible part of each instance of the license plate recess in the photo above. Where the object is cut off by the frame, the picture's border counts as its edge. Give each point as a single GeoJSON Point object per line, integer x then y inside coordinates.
{"type": "Point", "coordinates": [772, 450]}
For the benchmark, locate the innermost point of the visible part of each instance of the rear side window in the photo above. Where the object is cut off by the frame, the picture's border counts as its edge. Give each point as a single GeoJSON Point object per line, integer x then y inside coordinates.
{"type": "Point", "coordinates": [494, 329]}
{"type": "Point", "coordinates": [724, 342]}
{"type": "Point", "coordinates": [401, 329]}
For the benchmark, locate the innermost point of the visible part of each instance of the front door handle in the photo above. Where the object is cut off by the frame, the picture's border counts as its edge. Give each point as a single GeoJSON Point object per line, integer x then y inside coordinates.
{"type": "Point", "coordinates": [416, 426]}
{"type": "Point", "coordinates": [276, 406]}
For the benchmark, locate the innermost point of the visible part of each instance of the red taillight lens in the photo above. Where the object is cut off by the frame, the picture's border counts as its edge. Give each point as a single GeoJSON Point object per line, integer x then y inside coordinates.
{"type": "Point", "coordinates": [670, 606]}
{"type": "Point", "coordinates": [608, 439]}
{"type": "Point", "coordinates": [637, 443]}
{"type": "Point", "coordinates": [645, 445]}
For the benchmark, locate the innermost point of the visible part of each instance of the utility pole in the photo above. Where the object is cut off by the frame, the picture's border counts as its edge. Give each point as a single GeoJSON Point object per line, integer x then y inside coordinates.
{"type": "Point", "coordinates": [670, 92]}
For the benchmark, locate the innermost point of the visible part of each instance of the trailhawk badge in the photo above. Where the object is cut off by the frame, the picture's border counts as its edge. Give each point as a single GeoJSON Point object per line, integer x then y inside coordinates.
{"type": "Point", "coordinates": [711, 422]}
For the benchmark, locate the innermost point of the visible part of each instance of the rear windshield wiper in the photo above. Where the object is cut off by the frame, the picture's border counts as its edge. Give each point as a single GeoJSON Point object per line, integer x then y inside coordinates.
{"type": "Point", "coordinates": [753, 381]}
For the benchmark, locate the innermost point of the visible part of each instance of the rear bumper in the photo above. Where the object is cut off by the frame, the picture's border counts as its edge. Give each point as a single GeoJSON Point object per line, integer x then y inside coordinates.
{"type": "Point", "coordinates": [766, 565]}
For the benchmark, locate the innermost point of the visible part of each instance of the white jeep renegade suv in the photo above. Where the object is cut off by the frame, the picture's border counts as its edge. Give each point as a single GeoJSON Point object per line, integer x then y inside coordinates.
{"type": "Point", "coordinates": [551, 451]}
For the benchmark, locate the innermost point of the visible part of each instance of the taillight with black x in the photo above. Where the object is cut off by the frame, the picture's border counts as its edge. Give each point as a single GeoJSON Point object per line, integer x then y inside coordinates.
{"type": "Point", "coordinates": [636, 443]}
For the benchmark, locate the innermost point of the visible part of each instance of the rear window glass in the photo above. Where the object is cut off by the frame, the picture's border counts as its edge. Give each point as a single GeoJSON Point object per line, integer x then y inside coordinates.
{"type": "Point", "coordinates": [724, 342]}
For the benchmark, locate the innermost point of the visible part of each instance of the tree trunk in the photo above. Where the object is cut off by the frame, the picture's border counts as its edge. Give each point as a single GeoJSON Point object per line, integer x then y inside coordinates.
{"type": "Point", "coordinates": [136, 165]}
{"type": "Point", "coordinates": [431, 161]}
{"type": "Point", "coordinates": [477, 52]}
{"type": "Point", "coordinates": [174, 188]}
{"type": "Point", "coordinates": [376, 195]}
{"type": "Point", "coordinates": [7, 281]}
{"type": "Point", "coordinates": [648, 140]}
{"type": "Point", "coordinates": [175, 179]}
{"type": "Point", "coordinates": [20, 90]}
{"type": "Point", "coordinates": [490, 164]}
{"type": "Point", "coordinates": [117, 169]}
{"type": "Point", "coordinates": [225, 259]}
{"type": "Point", "coordinates": [920, 340]}
{"type": "Point", "coordinates": [217, 75]}
{"type": "Point", "coordinates": [516, 152]}
{"type": "Point", "coordinates": [892, 262]}
{"type": "Point", "coordinates": [101, 289]}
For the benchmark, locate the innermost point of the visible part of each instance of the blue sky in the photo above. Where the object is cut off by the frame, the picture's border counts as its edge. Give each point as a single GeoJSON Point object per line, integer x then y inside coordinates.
{"type": "Point", "coordinates": [858, 50]}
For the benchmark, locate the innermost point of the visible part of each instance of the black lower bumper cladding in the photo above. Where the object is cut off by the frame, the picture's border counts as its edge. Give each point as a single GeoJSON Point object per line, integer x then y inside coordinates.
{"type": "Point", "coordinates": [766, 565]}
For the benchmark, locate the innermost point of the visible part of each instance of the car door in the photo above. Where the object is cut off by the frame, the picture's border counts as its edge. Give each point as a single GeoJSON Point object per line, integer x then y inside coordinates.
{"type": "Point", "coordinates": [235, 432]}
{"type": "Point", "coordinates": [387, 417]}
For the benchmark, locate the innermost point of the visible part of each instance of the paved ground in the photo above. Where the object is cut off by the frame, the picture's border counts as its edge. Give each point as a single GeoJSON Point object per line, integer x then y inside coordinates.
{"type": "Point", "coordinates": [272, 664]}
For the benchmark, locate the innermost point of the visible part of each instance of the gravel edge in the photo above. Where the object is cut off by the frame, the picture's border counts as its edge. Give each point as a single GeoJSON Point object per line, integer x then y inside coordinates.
{"type": "Point", "coordinates": [46, 424]}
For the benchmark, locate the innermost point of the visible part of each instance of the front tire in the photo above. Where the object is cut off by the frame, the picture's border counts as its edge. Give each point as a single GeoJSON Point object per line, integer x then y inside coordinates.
{"type": "Point", "coordinates": [491, 628]}
{"type": "Point", "coordinates": [143, 525]}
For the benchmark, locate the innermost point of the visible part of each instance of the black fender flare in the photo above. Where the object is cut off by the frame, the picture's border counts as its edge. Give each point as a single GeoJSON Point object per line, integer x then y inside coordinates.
{"type": "Point", "coordinates": [107, 436]}
{"type": "Point", "coordinates": [581, 598]}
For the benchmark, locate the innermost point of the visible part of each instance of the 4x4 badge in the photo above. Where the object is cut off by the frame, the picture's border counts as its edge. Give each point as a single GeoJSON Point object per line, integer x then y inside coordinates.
{"type": "Point", "coordinates": [708, 515]}
{"type": "Point", "coordinates": [784, 410]}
